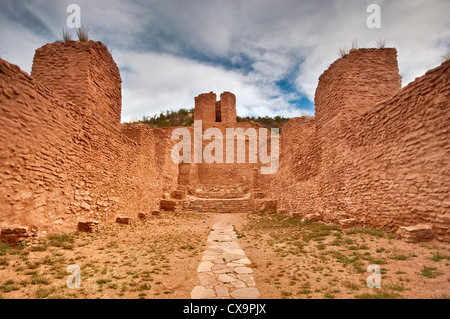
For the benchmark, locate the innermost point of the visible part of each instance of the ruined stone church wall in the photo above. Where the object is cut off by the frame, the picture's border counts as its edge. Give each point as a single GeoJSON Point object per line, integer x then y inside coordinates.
{"type": "Point", "coordinates": [387, 167]}
{"type": "Point", "coordinates": [83, 73]}
{"type": "Point", "coordinates": [220, 176]}
{"type": "Point", "coordinates": [62, 162]}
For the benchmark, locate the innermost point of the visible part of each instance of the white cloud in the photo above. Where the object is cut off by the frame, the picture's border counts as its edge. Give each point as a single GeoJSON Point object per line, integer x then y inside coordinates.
{"type": "Point", "coordinates": [17, 46]}
{"type": "Point", "coordinates": [156, 82]}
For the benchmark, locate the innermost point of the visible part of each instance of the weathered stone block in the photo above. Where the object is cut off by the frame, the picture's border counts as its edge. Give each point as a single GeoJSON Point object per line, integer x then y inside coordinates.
{"type": "Point", "coordinates": [259, 195]}
{"type": "Point", "coordinates": [178, 194]}
{"type": "Point", "coordinates": [88, 226]}
{"type": "Point", "coordinates": [123, 220]}
{"type": "Point", "coordinates": [170, 205]}
{"type": "Point", "coordinates": [14, 235]}
{"type": "Point", "coordinates": [415, 234]}
{"type": "Point", "coordinates": [143, 215]}
{"type": "Point", "coordinates": [348, 223]}
{"type": "Point", "coordinates": [265, 204]}
{"type": "Point", "coordinates": [313, 217]}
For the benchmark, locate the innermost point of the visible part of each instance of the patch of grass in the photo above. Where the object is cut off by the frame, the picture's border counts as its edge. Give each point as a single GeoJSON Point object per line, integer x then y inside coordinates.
{"type": "Point", "coordinates": [83, 34]}
{"type": "Point", "coordinates": [347, 260]}
{"type": "Point", "coordinates": [430, 272]}
{"type": "Point", "coordinates": [113, 286]}
{"type": "Point", "coordinates": [32, 265]}
{"type": "Point", "coordinates": [398, 257]}
{"type": "Point", "coordinates": [329, 295]}
{"type": "Point", "coordinates": [4, 248]}
{"type": "Point", "coordinates": [362, 247]}
{"type": "Point", "coordinates": [66, 37]}
{"type": "Point", "coordinates": [343, 51]}
{"type": "Point", "coordinates": [398, 288]}
{"type": "Point", "coordinates": [42, 293]}
{"type": "Point", "coordinates": [367, 231]}
{"type": "Point", "coordinates": [377, 261]}
{"type": "Point", "coordinates": [38, 248]}
{"type": "Point", "coordinates": [64, 241]}
{"type": "Point", "coordinates": [437, 257]}
{"type": "Point", "coordinates": [144, 287]}
{"type": "Point", "coordinates": [4, 261]}
{"type": "Point", "coordinates": [383, 294]}
{"type": "Point", "coordinates": [351, 286]}
{"type": "Point", "coordinates": [9, 288]}
{"type": "Point", "coordinates": [359, 267]}
{"type": "Point", "coordinates": [304, 292]}
{"type": "Point", "coordinates": [103, 281]}
{"type": "Point", "coordinates": [39, 280]}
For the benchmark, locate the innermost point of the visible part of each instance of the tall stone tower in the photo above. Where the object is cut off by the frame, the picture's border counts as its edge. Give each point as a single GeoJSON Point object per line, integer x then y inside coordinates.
{"type": "Point", "coordinates": [355, 83]}
{"type": "Point", "coordinates": [211, 111]}
{"type": "Point", "coordinates": [83, 73]}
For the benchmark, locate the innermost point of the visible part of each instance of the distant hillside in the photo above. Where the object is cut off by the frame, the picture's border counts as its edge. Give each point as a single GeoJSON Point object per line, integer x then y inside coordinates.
{"type": "Point", "coordinates": [184, 117]}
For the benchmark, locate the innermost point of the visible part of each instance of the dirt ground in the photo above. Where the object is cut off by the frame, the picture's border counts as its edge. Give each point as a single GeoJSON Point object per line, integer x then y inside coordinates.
{"type": "Point", "coordinates": [159, 258]}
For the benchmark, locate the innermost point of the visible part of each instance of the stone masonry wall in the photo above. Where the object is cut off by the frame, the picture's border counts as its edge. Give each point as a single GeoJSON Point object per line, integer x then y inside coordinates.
{"type": "Point", "coordinates": [83, 73]}
{"type": "Point", "coordinates": [205, 108]}
{"type": "Point", "coordinates": [354, 84]}
{"type": "Point", "coordinates": [211, 111]}
{"type": "Point", "coordinates": [60, 162]}
{"type": "Point", "coordinates": [387, 167]}
{"type": "Point", "coordinates": [228, 107]}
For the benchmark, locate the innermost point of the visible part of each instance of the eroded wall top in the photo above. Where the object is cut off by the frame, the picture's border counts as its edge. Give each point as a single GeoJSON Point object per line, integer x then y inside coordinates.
{"type": "Point", "coordinates": [83, 73]}
{"type": "Point", "coordinates": [211, 111]}
{"type": "Point", "coordinates": [355, 83]}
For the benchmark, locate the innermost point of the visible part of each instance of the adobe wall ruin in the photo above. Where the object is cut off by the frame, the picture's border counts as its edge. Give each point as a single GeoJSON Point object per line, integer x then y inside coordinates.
{"type": "Point", "coordinates": [383, 164]}
{"type": "Point", "coordinates": [220, 180]}
{"type": "Point", "coordinates": [375, 152]}
{"type": "Point", "coordinates": [64, 156]}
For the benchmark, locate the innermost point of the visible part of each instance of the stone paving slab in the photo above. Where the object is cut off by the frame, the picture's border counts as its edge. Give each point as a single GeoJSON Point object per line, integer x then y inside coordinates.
{"type": "Point", "coordinates": [224, 271]}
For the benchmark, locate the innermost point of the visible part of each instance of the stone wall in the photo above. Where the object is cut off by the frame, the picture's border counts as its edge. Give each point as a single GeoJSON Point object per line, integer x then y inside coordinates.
{"type": "Point", "coordinates": [62, 162]}
{"type": "Point", "coordinates": [205, 108]}
{"type": "Point", "coordinates": [220, 178]}
{"type": "Point", "coordinates": [83, 73]}
{"type": "Point", "coordinates": [227, 106]}
{"type": "Point", "coordinates": [386, 167]}
{"type": "Point", "coordinates": [210, 111]}
{"type": "Point", "coordinates": [354, 84]}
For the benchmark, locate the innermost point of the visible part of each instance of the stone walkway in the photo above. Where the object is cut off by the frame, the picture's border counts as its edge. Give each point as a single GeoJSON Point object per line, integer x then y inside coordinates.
{"type": "Point", "coordinates": [224, 271]}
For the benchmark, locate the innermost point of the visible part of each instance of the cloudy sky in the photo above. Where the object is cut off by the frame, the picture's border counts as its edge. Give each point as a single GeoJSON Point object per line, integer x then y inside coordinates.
{"type": "Point", "coordinates": [270, 53]}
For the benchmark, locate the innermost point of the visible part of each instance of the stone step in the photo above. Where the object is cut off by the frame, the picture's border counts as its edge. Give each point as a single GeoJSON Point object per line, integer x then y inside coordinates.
{"type": "Point", "coordinates": [217, 205]}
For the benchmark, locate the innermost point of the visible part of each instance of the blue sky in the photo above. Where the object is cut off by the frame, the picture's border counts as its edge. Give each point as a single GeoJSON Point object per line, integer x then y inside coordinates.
{"type": "Point", "coordinates": [269, 53]}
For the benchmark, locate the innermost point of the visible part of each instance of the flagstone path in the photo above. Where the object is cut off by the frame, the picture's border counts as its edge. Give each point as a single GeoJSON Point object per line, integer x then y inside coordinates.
{"type": "Point", "coordinates": [224, 271]}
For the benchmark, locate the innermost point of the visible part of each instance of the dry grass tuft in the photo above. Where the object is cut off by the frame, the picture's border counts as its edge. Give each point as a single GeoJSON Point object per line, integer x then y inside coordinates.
{"type": "Point", "coordinates": [83, 34]}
